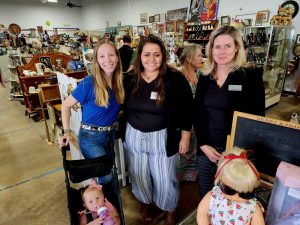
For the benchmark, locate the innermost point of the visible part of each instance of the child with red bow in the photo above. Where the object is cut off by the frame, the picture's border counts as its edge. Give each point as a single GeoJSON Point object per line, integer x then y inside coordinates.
{"type": "Point", "coordinates": [231, 201]}
{"type": "Point", "coordinates": [98, 209]}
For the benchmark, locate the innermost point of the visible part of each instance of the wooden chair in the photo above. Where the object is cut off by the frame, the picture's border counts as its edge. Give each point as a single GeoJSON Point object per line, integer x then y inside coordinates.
{"type": "Point", "coordinates": [48, 95]}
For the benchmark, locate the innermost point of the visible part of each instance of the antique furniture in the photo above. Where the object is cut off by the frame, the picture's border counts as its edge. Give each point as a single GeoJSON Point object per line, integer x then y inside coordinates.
{"type": "Point", "coordinates": [29, 82]}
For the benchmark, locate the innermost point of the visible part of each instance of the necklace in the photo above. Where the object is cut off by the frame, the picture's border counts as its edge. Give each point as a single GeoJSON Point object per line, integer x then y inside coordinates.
{"type": "Point", "coordinates": [149, 78]}
{"type": "Point", "coordinates": [191, 77]}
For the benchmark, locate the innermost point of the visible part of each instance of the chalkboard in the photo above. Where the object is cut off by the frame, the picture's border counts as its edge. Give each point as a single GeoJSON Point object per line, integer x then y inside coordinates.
{"type": "Point", "coordinates": [271, 140]}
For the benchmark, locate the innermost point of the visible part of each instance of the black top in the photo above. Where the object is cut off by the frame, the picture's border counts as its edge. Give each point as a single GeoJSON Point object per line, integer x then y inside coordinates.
{"type": "Point", "coordinates": [144, 114]}
{"type": "Point", "coordinates": [216, 103]}
{"type": "Point", "coordinates": [242, 91]}
{"type": "Point", "coordinates": [178, 105]}
{"type": "Point", "coordinates": [125, 55]}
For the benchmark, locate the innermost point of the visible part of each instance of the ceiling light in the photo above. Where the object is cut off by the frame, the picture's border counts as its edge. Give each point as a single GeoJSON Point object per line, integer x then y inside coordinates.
{"type": "Point", "coordinates": [52, 0]}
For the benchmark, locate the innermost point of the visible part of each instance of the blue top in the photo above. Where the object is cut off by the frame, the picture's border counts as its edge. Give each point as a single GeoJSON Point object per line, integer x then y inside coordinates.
{"type": "Point", "coordinates": [94, 114]}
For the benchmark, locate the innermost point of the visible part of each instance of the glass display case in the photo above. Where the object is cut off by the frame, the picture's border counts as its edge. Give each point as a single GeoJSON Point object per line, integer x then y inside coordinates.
{"type": "Point", "coordinates": [269, 49]}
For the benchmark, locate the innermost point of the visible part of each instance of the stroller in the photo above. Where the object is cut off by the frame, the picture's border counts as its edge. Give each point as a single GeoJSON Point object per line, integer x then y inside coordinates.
{"type": "Point", "coordinates": [77, 171]}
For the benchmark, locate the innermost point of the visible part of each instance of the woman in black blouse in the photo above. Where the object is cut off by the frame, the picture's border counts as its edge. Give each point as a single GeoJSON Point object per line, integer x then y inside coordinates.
{"type": "Point", "coordinates": [158, 105]}
{"type": "Point", "coordinates": [225, 86]}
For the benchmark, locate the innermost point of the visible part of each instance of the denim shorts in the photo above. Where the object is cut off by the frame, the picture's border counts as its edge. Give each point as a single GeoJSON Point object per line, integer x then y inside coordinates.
{"type": "Point", "coordinates": [96, 143]}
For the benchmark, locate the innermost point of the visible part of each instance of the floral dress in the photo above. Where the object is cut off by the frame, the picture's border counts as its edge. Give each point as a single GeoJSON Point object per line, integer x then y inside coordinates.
{"type": "Point", "coordinates": [225, 212]}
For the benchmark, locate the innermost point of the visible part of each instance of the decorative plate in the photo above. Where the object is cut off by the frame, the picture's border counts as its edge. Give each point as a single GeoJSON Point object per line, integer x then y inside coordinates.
{"type": "Point", "coordinates": [296, 50]}
{"type": "Point", "coordinates": [293, 5]}
{"type": "Point", "coordinates": [14, 28]}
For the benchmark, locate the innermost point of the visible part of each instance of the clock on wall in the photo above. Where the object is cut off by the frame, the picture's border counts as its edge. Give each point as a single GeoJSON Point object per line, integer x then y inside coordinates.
{"type": "Point", "coordinates": [291, 5]}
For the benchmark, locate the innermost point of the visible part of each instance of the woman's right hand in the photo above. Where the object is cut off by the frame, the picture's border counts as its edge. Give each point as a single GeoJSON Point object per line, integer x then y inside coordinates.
{"type": "Point", "coordinates": [211, 153]}
{"type": "Point", "coordinates": [64, 140]}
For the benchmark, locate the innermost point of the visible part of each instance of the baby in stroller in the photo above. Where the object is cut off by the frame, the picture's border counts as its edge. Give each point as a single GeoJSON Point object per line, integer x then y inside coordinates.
{"type": "Point", "coordinates": [98, 210]}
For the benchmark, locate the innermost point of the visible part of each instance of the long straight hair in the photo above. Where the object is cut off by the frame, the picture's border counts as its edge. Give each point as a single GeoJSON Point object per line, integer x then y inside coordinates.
{"type": "Point", "coordinates": [100, 85]}
{"type": "Point", "coordinates": [239, 59]}
{"type": "Point", "coordinates": [139, 67]}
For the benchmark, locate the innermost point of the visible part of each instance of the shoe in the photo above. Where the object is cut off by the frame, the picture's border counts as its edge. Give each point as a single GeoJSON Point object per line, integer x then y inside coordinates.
{"type": "Point", "coordinates": [170, 219]}
{"type": "Point", "coordinates": [146, 213]}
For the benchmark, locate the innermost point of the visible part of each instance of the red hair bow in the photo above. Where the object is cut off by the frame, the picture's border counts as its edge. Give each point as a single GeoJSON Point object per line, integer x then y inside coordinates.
{"type": "Point", "coordinates": [242, 156]}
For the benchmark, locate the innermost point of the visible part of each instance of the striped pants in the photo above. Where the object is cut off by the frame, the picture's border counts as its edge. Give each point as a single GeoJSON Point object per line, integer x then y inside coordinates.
{"type": "Point", "coordinates": [152, 173]}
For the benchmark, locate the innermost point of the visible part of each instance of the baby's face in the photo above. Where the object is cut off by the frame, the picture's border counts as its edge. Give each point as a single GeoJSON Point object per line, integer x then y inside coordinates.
{"type": "Point", "coordinates": [93, 199]}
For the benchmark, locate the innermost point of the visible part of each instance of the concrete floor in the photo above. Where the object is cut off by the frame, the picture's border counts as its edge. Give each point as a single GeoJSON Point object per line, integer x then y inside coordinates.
{"type": "Point", "coordinates": [32, 186]}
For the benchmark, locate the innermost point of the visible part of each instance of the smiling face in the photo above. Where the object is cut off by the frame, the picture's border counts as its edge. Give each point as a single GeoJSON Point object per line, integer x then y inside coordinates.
{"type": "Point", "coordinates": [107, 58]}
{"type": "Point", "coordinates": [151, 57]}
{"type": "Point", "coordinates": [93, 199]}
{"type": "Point", "coordinates": [224, 49]}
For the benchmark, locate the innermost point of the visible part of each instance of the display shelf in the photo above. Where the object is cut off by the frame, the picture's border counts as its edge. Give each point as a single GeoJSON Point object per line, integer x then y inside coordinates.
{"type": "Point", "coordinates": [269, 48]}
{"type": "Point", "coordinates": [172, 41]}
{"type": "Point", "coordinates": [199, 32]}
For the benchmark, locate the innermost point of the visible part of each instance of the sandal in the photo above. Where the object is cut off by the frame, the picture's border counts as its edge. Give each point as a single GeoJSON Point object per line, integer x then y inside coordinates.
{"type": "Point", "coordinates": [145, 212]}
{"type": "Point", "coordinates": [170, 219]}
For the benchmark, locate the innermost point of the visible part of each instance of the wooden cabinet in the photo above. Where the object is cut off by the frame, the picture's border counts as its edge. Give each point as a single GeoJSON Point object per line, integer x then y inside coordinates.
{"type": "Point", "coordinates": [199, 32]}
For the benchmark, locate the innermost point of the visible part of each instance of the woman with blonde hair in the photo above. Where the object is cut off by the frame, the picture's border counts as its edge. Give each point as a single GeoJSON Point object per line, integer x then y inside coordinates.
{"type": "Point", "coordinates": [225, 86]}
{"type": "Point", "coordinates": [190, 58]}
{"type": "Point", "coordinates": [101, 95]}
{"type": "Point", "coordinates": [232, 200]}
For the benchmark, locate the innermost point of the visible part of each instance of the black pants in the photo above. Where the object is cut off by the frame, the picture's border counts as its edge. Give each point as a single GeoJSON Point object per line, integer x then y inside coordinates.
{"type": "Point", "coordinates": [206, 173]}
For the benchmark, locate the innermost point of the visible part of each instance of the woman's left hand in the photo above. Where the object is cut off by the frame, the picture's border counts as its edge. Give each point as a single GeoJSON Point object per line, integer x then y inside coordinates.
{"type": "Point", "coordinates": [184, 142]}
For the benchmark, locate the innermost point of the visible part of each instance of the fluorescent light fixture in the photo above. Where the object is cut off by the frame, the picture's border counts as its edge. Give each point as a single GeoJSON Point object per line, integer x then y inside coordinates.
{"type": "Point", "coordinates": [52, 0]}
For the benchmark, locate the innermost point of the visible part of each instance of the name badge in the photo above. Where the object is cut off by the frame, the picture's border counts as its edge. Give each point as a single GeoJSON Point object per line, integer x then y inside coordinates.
{"type": "Point", "coordinates": [153, 95]}
{"type": "Point", "coordinates": [232, 87]}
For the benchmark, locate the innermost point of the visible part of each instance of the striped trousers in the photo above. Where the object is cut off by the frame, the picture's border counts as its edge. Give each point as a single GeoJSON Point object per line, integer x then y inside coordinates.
{"type": "Point", "coordinates": [152, 173]}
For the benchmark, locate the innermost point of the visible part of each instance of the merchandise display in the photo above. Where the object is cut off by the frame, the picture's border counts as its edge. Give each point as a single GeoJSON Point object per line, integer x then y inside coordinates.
{"type": "Point", "coordinates": [39, 59]}
{"type": "Point", "coordinates": [199, 32]}
{"type": "Point", "coordinates": [269, 49]}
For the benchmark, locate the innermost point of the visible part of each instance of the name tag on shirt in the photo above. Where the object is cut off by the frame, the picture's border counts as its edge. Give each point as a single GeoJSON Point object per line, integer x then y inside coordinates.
{"type": "Point", "coordinates": [153, 95]}
{"type": "Point", "coordinates": [232, 87]}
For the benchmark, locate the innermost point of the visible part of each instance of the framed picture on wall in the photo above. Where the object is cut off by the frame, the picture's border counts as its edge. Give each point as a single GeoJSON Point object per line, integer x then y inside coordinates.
{"type": "Point", "coordinates": [259, 19]}
{"type": "Point", "coordinates": [265, 15]}
{"type": "Point", "coordinates": [140, 30]}
{"type": "Point", "coordinates": [161, 28]}
{"type": "Point", "coordinates": [180, 26]}
{"type": "Point", "coordinates": [156, 18]}
{"type": "Point", "coordinates": [195, 10]}
{"type": "Point", "coordinates": [170, 26]}
{"type": "Point", "coordinates": [162, 17]}
{"type": "Point", "coordinates": [247, 22]}
{"type": "Point", "coordinates": [143, 18]}
{"type": "Point", "coordinates": [298, 39]}
{"type": "Point", "coordinates": [151, 19]}
{"type": "Point", "coordinates": [225, 20]}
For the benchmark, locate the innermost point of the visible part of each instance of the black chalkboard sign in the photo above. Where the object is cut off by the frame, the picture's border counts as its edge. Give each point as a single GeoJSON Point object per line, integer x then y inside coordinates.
{"type": "Point", "coordinates": [271, 140]}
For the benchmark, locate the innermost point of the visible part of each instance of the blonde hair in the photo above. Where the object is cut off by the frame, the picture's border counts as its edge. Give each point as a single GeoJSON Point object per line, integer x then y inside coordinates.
{"type": "Point", "coordinates": [188, 52]}
{"type": "Point", "coordinates": [238, 61]}
{"type": "Point", "coordinates": [237, 174]}
{"type": "Point", "coordinates": [100, 84]}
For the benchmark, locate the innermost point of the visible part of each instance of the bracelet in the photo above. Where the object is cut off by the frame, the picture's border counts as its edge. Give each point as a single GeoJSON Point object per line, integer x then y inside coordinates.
{"type": "Point", "coordinates": [66, 131]}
